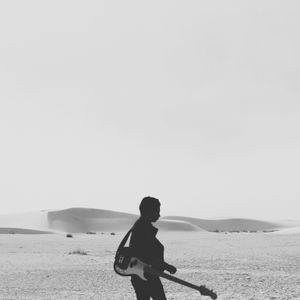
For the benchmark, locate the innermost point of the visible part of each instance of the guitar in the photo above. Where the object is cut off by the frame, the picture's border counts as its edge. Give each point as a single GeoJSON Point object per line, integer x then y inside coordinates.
{"type": "Point", "coordinates": [128, 266]}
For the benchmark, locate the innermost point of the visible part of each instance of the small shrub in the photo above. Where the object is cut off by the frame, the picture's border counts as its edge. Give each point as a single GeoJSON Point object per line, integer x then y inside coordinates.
{"type": "Point", "coordinates": [112, 233]}
{"type": "Point", "coordinates": [69, 235]}
{"type": "Point", "coordinates": [78, 251]}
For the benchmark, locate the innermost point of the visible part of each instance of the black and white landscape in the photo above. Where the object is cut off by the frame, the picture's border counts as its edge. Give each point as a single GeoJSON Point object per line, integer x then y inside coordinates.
{"type": "Point", "coordinates": [196, 103]}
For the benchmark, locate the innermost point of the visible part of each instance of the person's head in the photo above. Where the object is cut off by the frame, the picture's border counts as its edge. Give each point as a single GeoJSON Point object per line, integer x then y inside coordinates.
{"type": "Point", "coordinates": [150, 209]}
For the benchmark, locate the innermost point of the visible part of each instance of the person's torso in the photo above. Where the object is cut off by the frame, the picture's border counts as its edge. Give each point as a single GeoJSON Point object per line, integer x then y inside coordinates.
{"type": "Point", "coordinates": [145, 244]}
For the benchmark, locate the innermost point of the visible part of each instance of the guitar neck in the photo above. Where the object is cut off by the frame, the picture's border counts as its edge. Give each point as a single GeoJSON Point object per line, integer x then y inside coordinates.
{"type": "Point", "coordinates": [170, 277]}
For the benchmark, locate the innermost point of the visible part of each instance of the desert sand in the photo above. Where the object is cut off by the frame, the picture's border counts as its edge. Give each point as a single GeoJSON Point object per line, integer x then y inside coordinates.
{"type": "Point", "coordinates": [251, 266]}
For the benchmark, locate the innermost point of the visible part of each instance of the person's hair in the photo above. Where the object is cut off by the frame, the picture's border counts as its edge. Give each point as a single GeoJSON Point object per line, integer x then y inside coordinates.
{"type": "Point", "coordinates": [148, 204]}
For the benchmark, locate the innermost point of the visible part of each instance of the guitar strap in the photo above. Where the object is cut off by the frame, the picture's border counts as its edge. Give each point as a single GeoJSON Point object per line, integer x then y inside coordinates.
{"type": "Point", "coordinates": [124, 240]}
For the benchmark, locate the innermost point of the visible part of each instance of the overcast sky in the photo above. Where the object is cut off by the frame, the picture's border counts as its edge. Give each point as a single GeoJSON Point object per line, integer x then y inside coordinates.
{"type": "Point", "coordinates": [194, 102]}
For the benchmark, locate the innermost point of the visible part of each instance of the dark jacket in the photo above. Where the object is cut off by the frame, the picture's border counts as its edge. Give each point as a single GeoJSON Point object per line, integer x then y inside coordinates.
{"type": "Point", "coordinates": [145, 246]}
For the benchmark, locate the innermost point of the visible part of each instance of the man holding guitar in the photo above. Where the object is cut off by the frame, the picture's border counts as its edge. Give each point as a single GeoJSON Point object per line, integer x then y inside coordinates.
{"type": "Point", "coordinates": [144, 261]}
{"type": "Point", "coordinates": [148, 249]}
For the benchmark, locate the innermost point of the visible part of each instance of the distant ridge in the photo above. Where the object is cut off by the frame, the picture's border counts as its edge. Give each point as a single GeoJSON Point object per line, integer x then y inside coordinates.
{"type": "Point", "coordinates": [4, 230]}
{"type": "Point", "coordinates": [228, 224]}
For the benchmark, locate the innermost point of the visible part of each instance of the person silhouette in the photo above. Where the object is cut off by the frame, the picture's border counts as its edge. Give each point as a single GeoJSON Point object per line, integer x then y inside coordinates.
{"type": "Point", "coordinates": [149, 249]}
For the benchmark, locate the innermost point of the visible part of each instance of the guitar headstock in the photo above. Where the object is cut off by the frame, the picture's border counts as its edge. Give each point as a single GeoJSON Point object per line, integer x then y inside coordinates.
{"type": "Point", "coordinates": [204, 291]}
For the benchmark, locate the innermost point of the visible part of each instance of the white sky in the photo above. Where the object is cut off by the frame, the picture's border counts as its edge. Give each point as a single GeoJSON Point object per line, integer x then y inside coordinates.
{"type": "Point", "coordinates": [194, 102]}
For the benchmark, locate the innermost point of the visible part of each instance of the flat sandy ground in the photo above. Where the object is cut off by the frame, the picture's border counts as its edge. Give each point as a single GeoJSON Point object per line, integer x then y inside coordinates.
{"type": "Point", "coordinates": [237, 266]}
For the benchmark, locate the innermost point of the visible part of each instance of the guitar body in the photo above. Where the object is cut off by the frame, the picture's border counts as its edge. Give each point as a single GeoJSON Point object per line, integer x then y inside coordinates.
{"type": "Point", "coordinates": [134, 267]}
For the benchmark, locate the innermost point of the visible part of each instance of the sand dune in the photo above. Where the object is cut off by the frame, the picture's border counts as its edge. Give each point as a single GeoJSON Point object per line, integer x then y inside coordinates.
{"type": "Point", "coordinates": [81, 220]}
{"type": "Point", "coordinates": [229, 224]}
{"type": "Point", "coordinates": [176, 225]}
{"type": "Point", "coordinates": [292, 230]}
{"type": "Point", "coordinates": [36, 220]}
{"type": "Point", "coordinates": [85, 219]}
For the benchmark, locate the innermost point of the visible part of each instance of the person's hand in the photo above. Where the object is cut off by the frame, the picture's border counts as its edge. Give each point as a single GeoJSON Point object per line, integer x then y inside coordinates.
{"type": "Point", "coordinates": [171, 269]}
